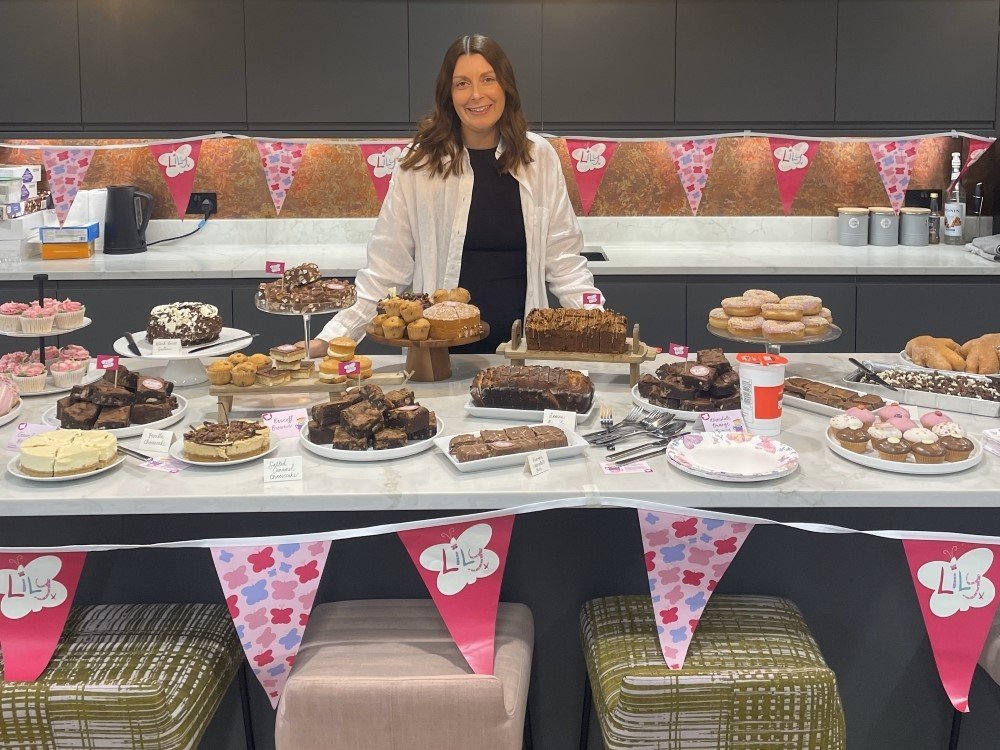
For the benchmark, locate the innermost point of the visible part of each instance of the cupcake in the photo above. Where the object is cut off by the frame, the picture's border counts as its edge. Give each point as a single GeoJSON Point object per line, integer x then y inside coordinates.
{"type": "Point", "coordinates": [9, 361]}
{"type": "Point", "coordinates": [418, 330]}
{"type": "Point", "coordinates": [845, 422]}
{"type": "Point", "coordinates": [38, 319]}
{"type": "Point", "coordinates": [220, 373]}
{"type": "Point", "coordinates": [860, 412]}
{"type": "Point", "coordinates": [932, 418]}
{"type": "Point", "coordinates": [48, 302]}
{"type": "Point", "coordinates": [51, 355]}
{"type": "Point", "coordinates": [238, 358]}
{"type": "Point", "coordinates": [66, 372]}
{"type": "Point", "coordinates": [75, 353]}
{"type": "Point", "coordinates": [30, 377]}
{"type": "Point", "coordinates": [892, 449]}
{"type": "Point", "coordinates": [10, 316]}
{"type": "Point", "coordinates": [883, 430]}
{"type": "Point", "coordinates": [890, 411]}
{"type": "Point", "coordinates": [377, 324]}
{"type": "Point", "coordinates": [956, 448]}
{"type": "Point", "coordinates": [243, 374]}
{"type": "Point", "coordinates": [948, 429]}
{"type": "Point", "coordinates": [260, 361]}
{"type": "Point", "coordinates": [69, 314]}
{"type": "Point", "coordinates": [919, 435]}
{"type": "Point", "coordinates": [929, 452]}
{"type": "Point", "coordinates": [855, 440]}
{"type": "Point", "coordinates": [902, 423]}
{"type": "Point", "coordinates": [393, 327]}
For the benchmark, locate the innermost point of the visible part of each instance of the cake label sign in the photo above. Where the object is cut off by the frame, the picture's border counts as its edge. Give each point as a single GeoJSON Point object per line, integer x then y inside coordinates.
{"type": "Point", "coordinates": [592, 299]}
{"type": "Point", "coordinates": [285, 469]}
{"type": "Point", "coordinates": [722, 421]}
{"type": "Point", "coordinates": [350, 368]}
{"type": "Point", "coordinates": [285, 424]}
{"type": "Point", "coordinates": [564, 420]}
{"type": "Point", "coordinates": [156, 441]}
{"type": "Point", "coordinates": [537, 463]}
{"type": "Point", "coordinates": [274, 266]}
{"type": "Point", "coordinates": [167, 346]}
{"type": "Point", "coordinates": [678, 350]}
{"type": "Point", "coordinates": [24, 431]}
{"type": "Point", "coordinates": [105, 362]}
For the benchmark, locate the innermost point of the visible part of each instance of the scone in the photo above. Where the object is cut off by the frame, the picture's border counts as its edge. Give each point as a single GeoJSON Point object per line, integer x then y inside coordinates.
{"type": "Point", "coordinates": [418, 330]}
{"type": "Point", "coordinates": [393, 327]}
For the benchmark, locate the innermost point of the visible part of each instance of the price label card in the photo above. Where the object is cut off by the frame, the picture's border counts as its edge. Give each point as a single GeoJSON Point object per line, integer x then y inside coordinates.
{"type": "Point", "coordinates": [286, 469]}
{"type": "Point", "coordinates": [155, 441]}
{"type": "Point", "coordinates": [678, 350]}
{"type": "Point", "coordinates": [274, 266]}
{"type": "Point", "coordinates": [537, 463]}
{"type": "Point", "coordinates": [639, 467]}
{"type": "Point", "coordinates": [167, 346]}
{"type": "Point", "coordinates": [592, 299]}
{"type": "Point", "coordinates": [285, 424]}
{"type": "Point", "coordinates": [105, 362]}
{"type": "Point", "coordinates": [349, 368]}
{"type": "Point", "coordinates": [24, 431]}
{"type": "Point", "coordinates": [565, 420]}
{"type": "Point", "coordinates": [992, 434]}
{"type": "Point", "coordinates": [166, 465]}
{"type": "Point", "coordinates": [722, 421]}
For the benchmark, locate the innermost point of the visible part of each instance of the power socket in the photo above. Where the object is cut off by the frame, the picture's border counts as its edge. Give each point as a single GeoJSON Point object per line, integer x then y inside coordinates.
{"type": "Point", "coordinates": [194, 205]}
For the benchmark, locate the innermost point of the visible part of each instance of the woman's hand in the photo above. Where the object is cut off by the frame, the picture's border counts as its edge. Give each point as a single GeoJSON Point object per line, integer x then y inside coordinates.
{"type": "Point", "coordinates": [317, 347]}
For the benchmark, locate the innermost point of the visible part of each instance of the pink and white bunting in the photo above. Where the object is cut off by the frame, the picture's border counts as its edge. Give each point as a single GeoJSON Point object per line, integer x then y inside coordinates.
{"type": "Point", "coordinates": [956, 589]}
{"type": "Point", "coordinates": [462, 566]}
{"type": "Point", "coordinates": [177, 163]}
{"type": "Point", "coordinates": [977, 147]}
{"type": "Point", "coordinates": [590, 160]}
{"type": "Point", "coordinates": [894, 162]}
{"type": "Point", "coordinates": [380, 160]}
{"type": "Point", "coordinates": [693, 160]}
{"type": "Point", "coordinates": [280, 161]}
{"type": "Point", "coordinates": [791, 159]}
{"type": "Point", "coordinates": [686, 557]}
{"type": "Point", "coordinates": [65, 169]}
{"type": "Point", "coordinates": [270, 593]}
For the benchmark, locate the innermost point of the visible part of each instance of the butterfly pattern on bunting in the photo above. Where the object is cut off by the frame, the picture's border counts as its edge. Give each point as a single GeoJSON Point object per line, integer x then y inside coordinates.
{"type": "Point", "coordinates": [693, 160]}
{"type": "Point", "coordinates": [894, 162]}
{"type": "Point", "coordinates": [280, 161]}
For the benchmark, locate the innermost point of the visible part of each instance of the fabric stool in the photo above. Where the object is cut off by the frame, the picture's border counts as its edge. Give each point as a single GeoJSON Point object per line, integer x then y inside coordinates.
{"type": "Point", "coordinates": [143, 676]}
{"type": "Point", "coordinates": [385, 674]}
{"type": "Point", "coordinates": [753, 679]}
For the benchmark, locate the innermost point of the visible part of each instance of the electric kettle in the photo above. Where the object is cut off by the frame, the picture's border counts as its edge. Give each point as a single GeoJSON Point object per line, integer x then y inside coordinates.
{"type": "Point", "coordinates": [126, 217]}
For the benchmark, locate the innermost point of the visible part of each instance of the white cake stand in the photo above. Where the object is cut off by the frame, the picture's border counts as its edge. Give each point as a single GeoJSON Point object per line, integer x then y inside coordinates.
{"type": "Point", "coordinates": [774, 347]}
{"type": "Point", "coordinates": [306, 317]}
{"type": "Point", "coordinates": [185, 368]}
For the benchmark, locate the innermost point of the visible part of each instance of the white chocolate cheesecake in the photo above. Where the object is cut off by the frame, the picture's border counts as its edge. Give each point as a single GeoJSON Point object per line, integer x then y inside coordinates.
{"type": "Point", "coordinates": [63, 453]}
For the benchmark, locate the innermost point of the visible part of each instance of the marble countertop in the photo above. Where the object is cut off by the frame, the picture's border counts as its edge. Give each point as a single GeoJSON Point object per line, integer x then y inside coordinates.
{"type": "Point", "coordinates": [428, 482]}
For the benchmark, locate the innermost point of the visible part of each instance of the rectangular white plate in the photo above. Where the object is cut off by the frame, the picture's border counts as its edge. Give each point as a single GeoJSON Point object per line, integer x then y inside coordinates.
{"type": "Point", "coordinates": [577, 445]}
{"type": "Point", "coordinates": [521, 415]}
{"type": "Point", "coordinates": [826, 411]}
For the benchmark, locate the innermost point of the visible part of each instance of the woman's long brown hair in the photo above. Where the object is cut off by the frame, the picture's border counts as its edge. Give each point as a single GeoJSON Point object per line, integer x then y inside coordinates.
{"type": "Point", "coordinates": [438, 141]}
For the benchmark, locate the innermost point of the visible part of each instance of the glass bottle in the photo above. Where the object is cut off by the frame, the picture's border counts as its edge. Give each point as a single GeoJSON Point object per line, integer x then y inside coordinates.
{"type": "Point", "coordinates": [954, 206]}
{"type": "Point", "coordinates": [934, 222]}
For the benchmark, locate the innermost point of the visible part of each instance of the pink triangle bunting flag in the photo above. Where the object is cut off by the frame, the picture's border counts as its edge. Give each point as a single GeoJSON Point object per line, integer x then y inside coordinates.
{"type": "Point", "coordinates": [894, 162]}
{"type": "Point", "coordinates": [65, 169]}
{"type": "Point", "coordinates": [977, 147]}
{"type": "Point", "coordinates": [957, 596]}
{"type": "Point", "coordinates": [270, 593]}
{"type": "Point", "coordinates": [590, 160]}
{"type": "Point", "coordinates": [177, 163]}
{"type": "Point", "coordinates": [280, 161]}
{"type": "Point", "coordinates": [686, 557]}
{"type": "Point", "coordinates": [462, 566]}
{"type": "Point", "coordinates": [693, 160]}
{"type": "Point", "coordinates": [36, 594]}
{"type": "Point", "coordinates": [380, 159]}
{"type": "Point", "coordinates": [791, 158]}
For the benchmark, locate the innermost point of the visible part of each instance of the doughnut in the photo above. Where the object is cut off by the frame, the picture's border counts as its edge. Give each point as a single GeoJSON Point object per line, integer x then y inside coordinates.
{"type": "Point", "coordinates": [778, 311]}
{"type": "Point", "coordinates": [816, 325]}
{"type": "Point", "coordinates": [761, 295]}
{"type": "Point", "coordinates": [825, 312]}
{"type": "Point", "coordinates": [718, 318]}
{"type": "Point", "coordinates": [807, 303]}
{"type": "Point", "coordinates": [741, 307]}
{"type": "Point", "coordinates": [783, 330]}
{"type": "Point", "coordinates": [745, 326]}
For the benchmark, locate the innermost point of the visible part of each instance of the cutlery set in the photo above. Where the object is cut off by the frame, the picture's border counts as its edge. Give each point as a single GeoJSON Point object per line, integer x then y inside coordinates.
{"type": "Point", "coordinates": [638, 422]}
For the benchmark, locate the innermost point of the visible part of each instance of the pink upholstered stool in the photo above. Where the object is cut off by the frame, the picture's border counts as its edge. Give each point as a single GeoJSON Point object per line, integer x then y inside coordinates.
{"type": "Point", "coordinates": [385, 674]}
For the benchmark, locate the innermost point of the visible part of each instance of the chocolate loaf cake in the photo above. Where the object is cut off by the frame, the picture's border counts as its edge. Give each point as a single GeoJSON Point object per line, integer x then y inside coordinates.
{"type": "Point", "coordinates": [534, 387]}
{"type": "Point", "coordinates": [566, 330]}
{"type": "Point", "coordinates": [191, 322]}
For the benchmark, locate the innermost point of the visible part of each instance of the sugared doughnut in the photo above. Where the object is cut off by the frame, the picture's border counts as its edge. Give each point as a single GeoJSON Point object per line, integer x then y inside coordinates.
{"type": "Point", "coordinates": [778, 311]}
{"type": "Point", "coordinates": [825, 312]}
{"type": "Point", "coordinates": [745, 326]}
{"type": "Point", "coordinates": [808, 304]}
{"type": "Point", "coordinates": [741, 307]}
{"type": "Point", "coordinates": [783, 330]}
{"type": "Point", "coordinates": [718, 318]}
{"type": "Point", "coordinates": [816, 325]}
{"type": "Point", "coordinates": [761, 295]}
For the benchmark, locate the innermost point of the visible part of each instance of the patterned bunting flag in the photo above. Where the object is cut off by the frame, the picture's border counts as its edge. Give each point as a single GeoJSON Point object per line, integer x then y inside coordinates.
{"type": "Point", "coordinates": [686, 557]}
{"type": "Point", "coordinates": [957, 596]}
{"type": "Point", "coordinates": [177, 163]}
{"type": "Point", "coordinates": [280, 161]}
{"type": "Point", "coordinates": [36, 594]}
{"type": "Point", "coordinates": [590, 161]}
{"type": "Point", "coordinates": [462, 566]}
{"type": "Point", "coordinates": [792, 159]}
{"type": "Point", "coordinates": [65, 169]}
{"type": "Point", "coordinates": [270, 593]}
{"type": "Point", "coordinates": [894, 162]}
{"type": "Point", "coordinates": [380, 159]}
{"type": "Point", "coordinates": [977, 147]}
{"type": "Point", "coordinates": [692, 160]}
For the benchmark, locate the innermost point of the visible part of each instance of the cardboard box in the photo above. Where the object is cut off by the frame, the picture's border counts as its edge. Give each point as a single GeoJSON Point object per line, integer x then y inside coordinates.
{"type": "Point", "coordinates": [15, 191]}
{"type": "Point", "coordinates": [13, 210]}
{"type": "Point", "coordinates": [22, 172]}
{"type": "Point", "coordinates": [66, 250]}
{"type": "Point", "coordinates": [22, 228]}
{"type": "Point", "coordinates": [75, 234]}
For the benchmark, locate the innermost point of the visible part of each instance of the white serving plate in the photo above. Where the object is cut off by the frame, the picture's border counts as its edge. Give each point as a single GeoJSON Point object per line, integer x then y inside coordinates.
{"type": "Point", "coordinates": [684, 416]}
{"type": "Point", "coordinates": [50, 387]}
{"type": "Point", "coordinates": [53, 332]}
{"type": "Point", "coordinates": [12, 414]}
{"type": "Point", "coordinates": [521, 415]}
{"type": "Point", "coordinates": [943, 401]}
{"type": "Point", "coordinates": [328, 451]}
{"type": "Point", "coordinates": [823, 409]}
{"type": "Point", "coordinates": [577, 445]}
{"type": "Point", "coordinates": [230, 340]}
{"type": "Point", "coordinates": [135, 430]}
{"type": "Point", "coordinates": [732, 456]}
{"type": "Point", "coordinates": [870, 458]}
{"type": "Point", "coordinates": [177, 452]}
{"type": "Point", "coordinates": [14, 468]}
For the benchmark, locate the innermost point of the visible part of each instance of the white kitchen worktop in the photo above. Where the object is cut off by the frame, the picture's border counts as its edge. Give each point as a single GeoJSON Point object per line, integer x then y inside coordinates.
{"type": "Point", "coordinates": [428, 482]}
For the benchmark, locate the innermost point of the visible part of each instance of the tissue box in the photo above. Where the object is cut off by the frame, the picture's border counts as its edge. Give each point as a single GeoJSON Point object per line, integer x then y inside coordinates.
{"type": "Point", "coordinates": [22, 172]}
{"type": "Point", "coordinates": [15, 191]}
{"type": "Point", "coordinates": [82, 233]}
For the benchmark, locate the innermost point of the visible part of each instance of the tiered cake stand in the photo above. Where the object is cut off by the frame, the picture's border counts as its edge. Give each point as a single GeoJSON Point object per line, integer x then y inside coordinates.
{"type": "Point", "coordinates": [774, 347]}
{"type": "Point", "coordinates": [306, 316]}
{"type": "Point", "coordinates": [430, 360]}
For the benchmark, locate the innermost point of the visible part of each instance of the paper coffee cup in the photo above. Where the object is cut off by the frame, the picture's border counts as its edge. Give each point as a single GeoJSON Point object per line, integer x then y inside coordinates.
{"type": "Point", "coordinates": [762, 385]}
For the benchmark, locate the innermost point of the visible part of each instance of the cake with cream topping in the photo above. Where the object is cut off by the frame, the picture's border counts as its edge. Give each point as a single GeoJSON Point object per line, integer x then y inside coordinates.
{"type": "Point", "coordinates": [191, 322]}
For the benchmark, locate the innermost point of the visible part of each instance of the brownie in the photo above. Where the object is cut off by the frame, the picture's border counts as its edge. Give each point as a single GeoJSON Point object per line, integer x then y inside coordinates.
{"type": "Point", "coordinates": [146, 413]}
{"type": "Point", "coordinates": [726, 384]}
{"type": "Point", "coordinates": [669, 403]}
{"type": "Point", "coordinates": [552, 440]}
{"type": "Point", "coordinates": [112, 418]}
{"type": "Point", "coordinates": [369, 392]}
{"type": "Point", "coordinates": [152, 390]}
{"type": "Point", "coordinates": [520, 433]}
{"type": "Point", "coordinates": [490, 435]}
{"type": "Point", "coordinates": [79, 416]}
{"type": "Point", "coordinates": [328, 413]}
{"type": "Point", "coordinates": [345, 441]}
{"type": "Point", "coordinates": [126, 378]}
{"type": "Point", "coordinates": [111, 396]}
{"type": "Point", "coordinates": [62, 403]}
{"type": "Point", "coordinates": [527, 445]}
{"type": "Point", "coordinates": [401, 397]}
{"type": "Point", "coordinates": [675, 387]}
{"type": "Point", "coordinates": [319, 434]}
{"type": "Point", "coordinates": [472, 452]}
{"type": "Point", "coordinates": [362, 419]}
{"type": "Point", "coordinates": [698, 375]}
{"type": "Point", "coordinates": [411, 419]}
{"type": "Point", "coordinates": [459, 440]}
{"type": "Point", "coordinates": [390, 437]}
{"type": "Point", "coordinates": [650, 386]}
{"type": "Point", "coordinates": [727, 403]}
{"type": "Point", "coordinates": [716, 359]}
{"type": "Point", "coordinates": [700, 404]}
{"type": "Point", "coordinates": [671, 368]}
{"type": "Point", "coordinates": [429, 432]}
{"type": "Point", "coordinates": [502, 447]}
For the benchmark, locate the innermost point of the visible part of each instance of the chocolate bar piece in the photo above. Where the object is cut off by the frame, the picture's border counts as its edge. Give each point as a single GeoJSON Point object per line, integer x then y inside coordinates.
{"type": "Point", "coordinates": [152, 390]}
{"type": "Point", "coordinates": [489, 436]}
{"type": "Point", "coordinates": [146, 413]}
{"type": "Point", "coordinates": [716, 359]}
{"type": "Point", "coordinates": [79, 416]}
{"type": "Point", "coordinates": [62, 403]}
{"type": "Point", "coordinates": [460, 440]}
{"type": "Point", "coordinates": [346, 441]}
{"type": "Point", "coordinates": [112, 418]}
{"type": "Point", "coordinates": [412, 419]}
{"type": "Point", "coordinates": [502, 447]}
{"type": "Point", "coordinates": [111, 396]}
{"type": "Point", "coordinates": [328, 413]}
{"type": "Point", "coordinates": [320, 434]}
{"type": "Point", "coordinates": [362, 419]}
{"type": "Point", "coordinates": [472, 452]}
{"type": "Point", "coordinates": [400, 397]}
{"type": "Point", "coordinates": [391, 437]}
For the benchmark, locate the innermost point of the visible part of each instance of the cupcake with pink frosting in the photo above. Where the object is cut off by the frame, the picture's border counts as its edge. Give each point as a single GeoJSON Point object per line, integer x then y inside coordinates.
{"type": "Point", "coordinates": [46, 302]}
{"type": "Point", "coordinates": [30, 378]}
{"type": "Point", "coordinates": [75, 353]}
{"type": "Point", "coordinates": [69, 314]}
{"type": "Point", "coordinates": [66, 372]}
{"type": "Point", "coordinates": [932, 418]}
{"type": "Point", "coordinates": [10, 316]}
{"type": "Point", "coordinates": [9, 361]}
{"type": "Point", "coordinates": [38, 319]}
{"type": "Point", "coordinates": [51, 355]}
{"type": "Point", "coordinates": [9, 398]}
{"type": "Point", "coordinates": [861, 413]}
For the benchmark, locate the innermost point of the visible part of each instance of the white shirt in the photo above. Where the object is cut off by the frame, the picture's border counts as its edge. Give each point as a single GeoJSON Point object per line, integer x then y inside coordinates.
{"type": "Point", "coordinates": [420, 234]}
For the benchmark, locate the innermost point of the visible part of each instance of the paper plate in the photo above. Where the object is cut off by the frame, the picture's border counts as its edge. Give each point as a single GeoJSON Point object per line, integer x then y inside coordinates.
{"type": "Point", "coordinates": [328, 451]}
{"type": "Point", "coordinates": [177, 452]}
{"type": "Point", "coordinates": [732, 456]}
{"type": "Point", "coordinates": [12, 414]}
{"type": "Point", "coordinates": [135, 430]}
{"type": "Point", "coordinates": [521, 415]}
{"type": "Point", "coordinates": [577, 445]}
{"type": "Point", "coordinates": [14, 468]}
{"type": "Point", "coordinates": [870, 458]}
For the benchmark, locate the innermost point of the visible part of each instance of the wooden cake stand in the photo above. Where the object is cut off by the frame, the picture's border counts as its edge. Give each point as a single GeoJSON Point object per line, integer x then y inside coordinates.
{"type": "Point", "coordinates": [635, 354]}
{"type": "Point", "coordinates": [429, 360]}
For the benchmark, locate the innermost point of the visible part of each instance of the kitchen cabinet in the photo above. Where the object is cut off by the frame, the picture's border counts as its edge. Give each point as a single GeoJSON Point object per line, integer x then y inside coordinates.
{"type": "Point", "coordinates": [41, 56]}
{"type": "Point", "coordinates": [162, 63]}
{"type": "Point", "coordinates": [435, 24]}
{"type": "Point", "coordinates": [326, 62]}
{"type": "Point", "coordinates": [745, 61]}
{"type": "Point", "coordinates": [656, 304]}
{"type": "Point", "coordinates": [913, 61]}
{"type": "Point", "coordinates": [608, 61]}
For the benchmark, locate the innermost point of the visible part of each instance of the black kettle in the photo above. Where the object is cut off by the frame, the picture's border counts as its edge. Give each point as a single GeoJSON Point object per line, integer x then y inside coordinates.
{"type": "Point", "coordinates": [125, 220]}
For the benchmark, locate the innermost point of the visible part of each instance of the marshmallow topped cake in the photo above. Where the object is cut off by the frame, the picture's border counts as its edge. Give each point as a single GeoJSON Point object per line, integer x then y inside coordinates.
{"type": "Point", "coordinates": [63, 453]}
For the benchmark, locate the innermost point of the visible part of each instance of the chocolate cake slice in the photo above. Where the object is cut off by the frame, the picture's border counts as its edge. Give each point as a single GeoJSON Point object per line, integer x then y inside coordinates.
{"type": "Point", "coordinates": [112, 418]}
{"type": "Point", "coordinates": [79, 416]}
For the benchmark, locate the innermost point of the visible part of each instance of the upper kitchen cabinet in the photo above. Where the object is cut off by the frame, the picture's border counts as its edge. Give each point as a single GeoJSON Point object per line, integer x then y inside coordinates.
{"type": "Point", "coordinates": [913, 61]}
{"type": "Point", "coordinates": [608, 61]}
{"type": "Point", "coordinates": [750, 61]}
{"type": "Point", "coordinates": [42, 59]}
{"type": "Point", "coordinates": [330, 62]}
{"type": "Point", "coordinates": [153, 62]}
{"type": "Point", "coordinates": [515, 24]}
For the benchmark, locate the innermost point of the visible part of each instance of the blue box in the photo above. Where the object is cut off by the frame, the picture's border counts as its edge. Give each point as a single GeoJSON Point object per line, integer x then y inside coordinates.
{"type": "Point", "coordinates": [82, 233]}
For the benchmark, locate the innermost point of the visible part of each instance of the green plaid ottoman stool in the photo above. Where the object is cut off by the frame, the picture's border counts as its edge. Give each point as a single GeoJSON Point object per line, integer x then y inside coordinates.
{"type": "Point", "coordinates": [137, 676]}
{"type": "Point", "coordinates": [754, 679]}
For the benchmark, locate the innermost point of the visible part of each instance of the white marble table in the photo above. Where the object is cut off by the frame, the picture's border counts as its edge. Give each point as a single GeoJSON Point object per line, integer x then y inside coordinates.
{"type": "Point", "coordinates": [427, 482]}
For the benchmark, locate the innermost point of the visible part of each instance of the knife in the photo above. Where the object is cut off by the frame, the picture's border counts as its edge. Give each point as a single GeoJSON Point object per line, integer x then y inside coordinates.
{"type": "Point", "coordinates": [638, 449]}
{"type": "Point", "coordinates": [644, 456]}
{"type": "Point", "coordinates": [871, 374]}
{"type": "Point", "coordinates": [221, 343]}
{"type": "Point", "coordinates": [132, 346]}
{"type": "Point", "coordinates": [134, 454]}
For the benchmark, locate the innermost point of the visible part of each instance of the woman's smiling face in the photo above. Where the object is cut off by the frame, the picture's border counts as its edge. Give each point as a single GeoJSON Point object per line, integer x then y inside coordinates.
{"type": "Point", "coordinates": [479, 100]}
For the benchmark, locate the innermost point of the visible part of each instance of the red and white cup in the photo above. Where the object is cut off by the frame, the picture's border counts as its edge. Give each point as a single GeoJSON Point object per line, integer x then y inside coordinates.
{"type": "Point", "coordinates": [762, 385]}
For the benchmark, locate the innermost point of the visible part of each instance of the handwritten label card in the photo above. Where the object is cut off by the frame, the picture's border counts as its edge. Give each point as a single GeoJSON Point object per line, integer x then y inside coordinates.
{"type": "Point", "coordinates": [105, 362]}
{"type": "Point", "coordinates": [155, 441]}
{"type": "Point", "coordinates": [564, 420]}
{"type": "Point", "coordinates": [285, 424]}
{"type": "Point", "coordinates": [536, 463]}
{"type": "Point", "coordinates": [286, 469]}
{"type": "Point", "coordinates": [638, 467]}
{"type": "Point", "coordinates": [165, 464]}
{"type": "Point", "coordinates": [167, 346]}
{"type": "Point", "coordinates": [722, 421]}
{"type": "Point", "coordinates": [592, 299]}
{"type": "Point", "coordinates": [274, 266]}
{"type": "Point", "coordinates": [24, 431]}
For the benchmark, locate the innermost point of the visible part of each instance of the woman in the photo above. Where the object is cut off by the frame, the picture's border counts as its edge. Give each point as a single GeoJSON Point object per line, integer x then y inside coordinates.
{"type": "Point", "coordinates": [476, 201]}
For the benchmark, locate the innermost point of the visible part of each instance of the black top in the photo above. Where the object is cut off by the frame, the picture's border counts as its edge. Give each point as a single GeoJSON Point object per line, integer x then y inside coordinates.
{"type": "Point", "coordinates": [494, 258]}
